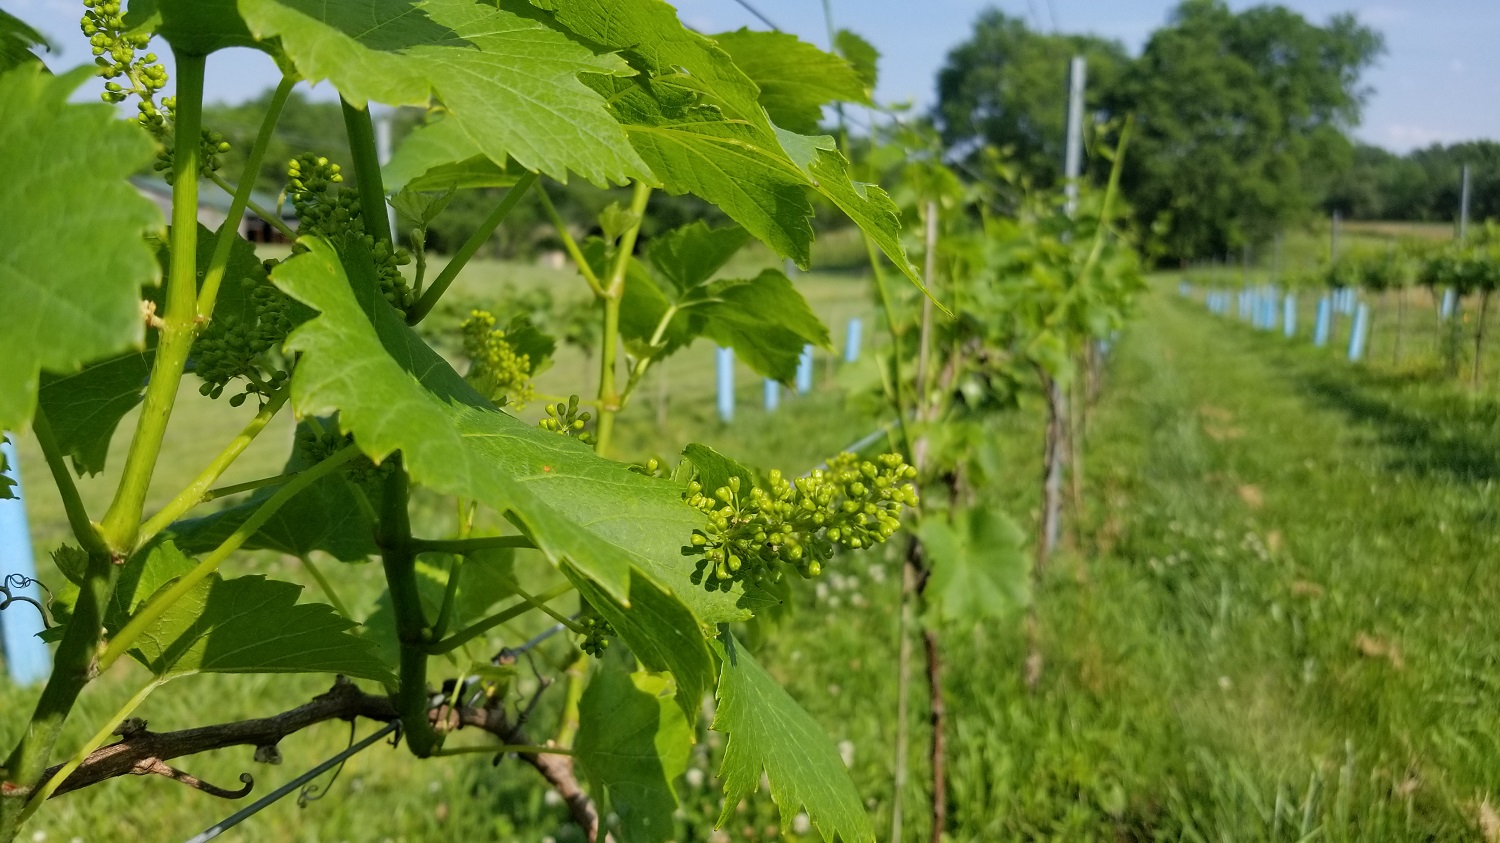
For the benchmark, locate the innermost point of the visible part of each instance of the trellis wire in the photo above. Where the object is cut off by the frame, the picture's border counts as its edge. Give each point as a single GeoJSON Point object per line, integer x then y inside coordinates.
{"type": "Point", "coordinates": [295, 784]}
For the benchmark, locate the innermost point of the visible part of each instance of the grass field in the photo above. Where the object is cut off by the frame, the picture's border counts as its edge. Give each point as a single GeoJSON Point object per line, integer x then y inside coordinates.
{"type": "Point", "coordinates": [1274, 621]}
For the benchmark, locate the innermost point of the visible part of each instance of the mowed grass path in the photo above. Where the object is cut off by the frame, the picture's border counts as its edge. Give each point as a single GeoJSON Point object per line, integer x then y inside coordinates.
{"type": "Point", "coordinates": [1280, 621]}
{"type": "Point", "coordinates": [1292, 571]}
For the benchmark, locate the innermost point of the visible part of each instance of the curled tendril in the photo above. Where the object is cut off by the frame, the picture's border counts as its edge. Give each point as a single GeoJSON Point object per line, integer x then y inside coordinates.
{"type": "Point", "coordinates": [16, 582]}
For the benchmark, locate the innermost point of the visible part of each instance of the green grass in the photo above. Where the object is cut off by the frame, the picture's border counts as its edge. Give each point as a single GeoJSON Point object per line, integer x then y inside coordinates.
{"type": "Point", "coordinates": [1275, 623]}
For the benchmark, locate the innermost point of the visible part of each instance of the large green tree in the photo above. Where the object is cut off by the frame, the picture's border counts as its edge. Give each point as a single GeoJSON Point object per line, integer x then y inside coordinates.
{"type": "Point", "coordinates": [1243, 121]}
{"type": "Point", "coordinates": [1007, 87]}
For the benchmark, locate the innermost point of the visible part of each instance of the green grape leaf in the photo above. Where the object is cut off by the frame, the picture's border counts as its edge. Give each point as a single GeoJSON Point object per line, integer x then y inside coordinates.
{"type": "Point", "coordinates": [651, 38]}
{"type": "Point", "coordinates": [85, 407]}
{"type": "Point", "coordinates": [72, 266]}
{"type": "Point", "coordinates": [661, 632]}
{"type": "Point", "coordinates": [17, 42]}
{"type": "Point", "coordinates": [861, 54]}
{"type": "Point", "coordinates": [765, 320]}
{"type": "Point", "coordinates": [196, 27]}
{"type": "Point", "coordinates": [713, 469]}
{"type": "Point", "coordinates": [394, 393]}
{"type": "Point", "coordinates": [141, 576]}
{"type": "Point", "coordinates": [510, 83]}
{"type": "Point", "coordinates": [633, 743]}
{"type": "Point", "coordinates": [795, 78]}
{"type": "Point", "coordinates": [980, 568]}
{"type": "Point", "coordinates": [769, 732]}
{"type": "Point", "coordinates": [440, 156]}
{"type": "Point", "coordinates": [526, 338]}
{"type": "Point", "coordinates": [696, 149]}
{"type": "Point", "coordinates": [689, 256]}
{"type": "Point", "coordinates": [254, 625]}
{"type": "Point", "coordinates": [695, 118]}
{"type": "Point", "coordinates": [326, 516]}
{"type": "Point", "coordinates": [866, 204]}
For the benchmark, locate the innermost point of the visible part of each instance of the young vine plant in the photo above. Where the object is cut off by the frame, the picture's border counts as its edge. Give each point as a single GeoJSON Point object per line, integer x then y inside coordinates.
{"type": "Point", "coordinates": [114, 307]}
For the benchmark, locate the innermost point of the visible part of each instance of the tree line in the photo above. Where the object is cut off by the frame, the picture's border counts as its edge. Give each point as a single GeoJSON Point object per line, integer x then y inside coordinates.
{"type": "Point", "coordinates": [1243, 118]}
{"type": "Point", "coordinates": [1423, 184]}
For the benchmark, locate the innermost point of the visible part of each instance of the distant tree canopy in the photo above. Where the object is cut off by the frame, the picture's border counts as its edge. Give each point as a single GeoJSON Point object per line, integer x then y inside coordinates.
{"type": "Point", "coordinates": [1006, 86]}
{"type": "Point", "coordinates": [1422, 185]}
{"type": "Point", "coordinates": [1242, 118]}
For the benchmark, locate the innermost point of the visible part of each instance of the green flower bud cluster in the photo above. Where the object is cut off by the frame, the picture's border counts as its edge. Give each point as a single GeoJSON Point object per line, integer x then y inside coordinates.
{"type": "Point", "coordinates": [495, 369]}
{"type": "Point", "coordinates": [232, 348]}
{"type": "Point", "coordinates": [565, 419]}
{"type": "Point", "coordinates": [329, 211]}
{"type": "Point", "coordinates": [211, 146]}
{"type": "Point", "coordinates": [115, 53]}
{"type": "Point", "coordinates": [754, 533]}
{"type": "Point", "coordinates": [316, 447]}
{"type": "Point", "coordinates": [596, 632]}
{"type": "Point", "coordinates": [127, 74]}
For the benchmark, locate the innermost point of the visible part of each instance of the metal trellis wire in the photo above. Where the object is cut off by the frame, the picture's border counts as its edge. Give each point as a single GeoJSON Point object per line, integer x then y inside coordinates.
{"type": "Point", "coordinates": [292, 786]}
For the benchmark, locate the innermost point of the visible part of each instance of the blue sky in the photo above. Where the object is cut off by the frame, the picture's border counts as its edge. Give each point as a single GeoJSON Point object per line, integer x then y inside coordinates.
{"type": "Point", "coordinates": [1438, 81]}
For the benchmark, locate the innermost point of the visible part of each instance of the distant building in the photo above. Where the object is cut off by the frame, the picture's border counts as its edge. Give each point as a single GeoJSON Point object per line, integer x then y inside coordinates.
{"type": "Point", "coordinates": [213, 206]}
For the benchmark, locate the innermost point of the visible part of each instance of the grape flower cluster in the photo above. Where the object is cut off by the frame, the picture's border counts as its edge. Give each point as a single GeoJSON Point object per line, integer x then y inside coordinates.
{"type": "Point", "coordinates": [567, 420]}
{"type": "Point", "coordinates": [495, 368]}
{"type": "Point", "coordinates": [115, 53]}
{"type": "Point", "coordinates": [231, 347]}
{"type": "Point", "coordinates": [318, 445]}
{"type": "Point", "coordinates": [325, 209]}
{"type": "Point", "coordinates": [753, 533]}
{"type": "Point", "coordinates": [596, 631]}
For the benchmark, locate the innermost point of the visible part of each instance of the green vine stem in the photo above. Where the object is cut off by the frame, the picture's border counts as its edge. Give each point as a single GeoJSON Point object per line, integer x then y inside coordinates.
{"type": "Point", "coordinates": [898, 396]}
{"type": "Point", "coordinates": [466, 252]}
{"type": "Point", "coordinates": [323, 583]}
{"type": "Point", "coordinates": [614, 293]}
{"type": "Point", "coordinates": [450, 598]}
{"type": "Point", "coordinates": [43, 793]}
{"type": "Point", "coordinates": [567, 724]}
{"type": "Point", "coordinates": [469, 633]}
{"type": "Point", "coordinates": [73, 667]}
{"type": "Point", "coordinates": [270, 216]}
{"type": "Point", "coordinates": [570, 244]}
{"type": "Point", "coordinates": [159, 604]}
{"type": "Point", "coordinates": [367, 170]}
{"type": "Point", "coordinates": [412, 631]}
{"type": "Point", "coordinates": [247, 486]}
{"type": "Point", "coordinates": [219, 262]}
{"type": "Point", "coordinates": [74, 664]}
{"type": "Point", "coordinates": [121, 523]}
{"type": "Point", "coordinates": [200, 489]}
{"type": "Point", "coordinates": [83, 527]}
{"type": "Point", "coordinates": [540, 605]}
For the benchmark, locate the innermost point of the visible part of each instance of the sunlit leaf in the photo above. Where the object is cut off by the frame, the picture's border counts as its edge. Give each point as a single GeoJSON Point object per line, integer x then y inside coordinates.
{"type": "Point", "coordinates": [795, 78]}
{"type": "Point", "coordinates": [633, 743]}
{"type": "Point", "coordinates": [770, 733]}
{"type": "Point", "coordinates": [511, 84]}
{"type": "Point", "coordinates": [73, 264]}
{"type": "Point", "coordinates": [980, 568]}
